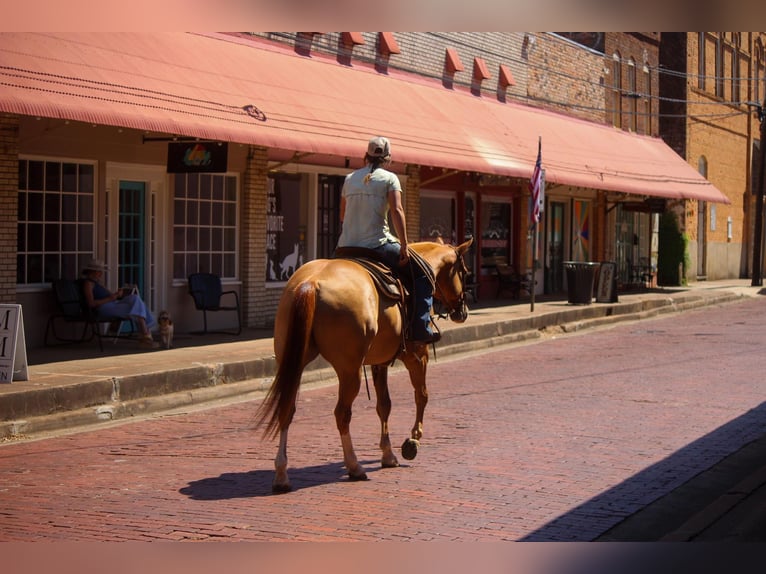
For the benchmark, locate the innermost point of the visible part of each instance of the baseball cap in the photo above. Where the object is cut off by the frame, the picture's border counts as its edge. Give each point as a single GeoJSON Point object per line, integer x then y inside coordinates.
{"type": "Point", "coordinates": [379, 147]}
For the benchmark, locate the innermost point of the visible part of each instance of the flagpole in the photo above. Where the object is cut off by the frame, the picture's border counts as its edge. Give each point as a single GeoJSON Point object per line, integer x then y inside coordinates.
{"type": "Point", "coordinates": [536, 184]}
{"type": "Point", "coordinates": [534, 267]}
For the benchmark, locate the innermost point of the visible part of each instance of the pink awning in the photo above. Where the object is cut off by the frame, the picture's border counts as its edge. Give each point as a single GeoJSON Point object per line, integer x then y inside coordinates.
{"type": "Point", "coordinates": [222, 87]}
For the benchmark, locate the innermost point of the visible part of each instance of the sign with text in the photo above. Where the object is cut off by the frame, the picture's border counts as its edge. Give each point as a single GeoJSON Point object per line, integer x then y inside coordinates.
{"type": "Point", "coordinates": [607, 283]}
{"type": "Point", "coordinates": [198, 157]}
{"type": "Point", "coordinates": [13, 346]}
{"type": "Point", "coordinates": [284, 237]}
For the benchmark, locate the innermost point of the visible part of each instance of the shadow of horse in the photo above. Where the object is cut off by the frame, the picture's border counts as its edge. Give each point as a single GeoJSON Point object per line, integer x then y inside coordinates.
{"type": "Point", "coordinates": [257, 483]}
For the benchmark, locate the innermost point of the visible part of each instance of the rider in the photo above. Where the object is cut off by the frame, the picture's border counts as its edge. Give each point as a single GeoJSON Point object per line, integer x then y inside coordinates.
{"type": "Point", "coordinates": [369, 195]}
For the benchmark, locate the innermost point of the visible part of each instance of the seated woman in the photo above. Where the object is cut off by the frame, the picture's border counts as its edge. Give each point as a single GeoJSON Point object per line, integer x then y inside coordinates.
{"type": "Point", "coordinates": [108, 305]}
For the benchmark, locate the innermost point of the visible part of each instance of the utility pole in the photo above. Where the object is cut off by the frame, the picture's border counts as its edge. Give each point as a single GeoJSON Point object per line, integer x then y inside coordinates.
{"type": "Point", "coordinates": [758, 230]}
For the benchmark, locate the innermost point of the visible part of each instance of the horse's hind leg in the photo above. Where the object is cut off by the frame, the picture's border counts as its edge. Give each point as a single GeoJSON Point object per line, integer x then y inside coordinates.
{"type": "Point", "coordinates": [348, 390]}
{"type": "Point", "coordinates": [383, 407]}
{"type": "Point", "coordinates": [281, 482]}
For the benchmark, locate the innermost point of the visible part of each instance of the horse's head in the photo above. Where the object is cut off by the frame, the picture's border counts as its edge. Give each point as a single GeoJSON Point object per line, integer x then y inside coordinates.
{"type": "Point", "coordinates": [450, 271]}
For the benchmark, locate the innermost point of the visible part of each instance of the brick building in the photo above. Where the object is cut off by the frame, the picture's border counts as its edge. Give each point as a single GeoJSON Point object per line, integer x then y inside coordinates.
{"type": "Point", "coordinates": [711, 82]}
{"type": "Point", "coordinates": [91, 124]}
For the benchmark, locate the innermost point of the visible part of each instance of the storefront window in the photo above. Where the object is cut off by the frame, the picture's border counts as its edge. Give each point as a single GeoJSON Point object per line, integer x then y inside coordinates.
{"type": "Point", "coordinates": [205, 225]}
{"type": "Point", "coordinates": [495, 232]}
{"type": "Point", "coordinates": [55, 230]}
{"type": "Point", "coordinates": [437, 219]}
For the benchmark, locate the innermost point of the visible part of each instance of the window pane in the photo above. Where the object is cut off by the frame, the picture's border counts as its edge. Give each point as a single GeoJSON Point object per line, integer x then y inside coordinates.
{"type": "Point", "coordinates": [22, 208]}
{"type": "Point", "coordinates": [52, 176]}
{"type": "Point", "coordinates": [69, 177]}
{"type": "Point", "coordinates": [85, 238]}
{"type": "Point", "coordinates": [35, 269]}
{"type": "Point", "coordinates": [218, 188]}
{"type": "Point", "coordinates": [52, 239]}
{"type": "Point", "coordinates": [86, 179]}
{"type": "Point", "coordinates": [179, 212]}
{"type": "Point", "coordinates": [52, 207]}
{"type": "Point", "coordinates": [205, 184]}
{"type": "Point", "coordinates": [231, 189]}
{"type": "Point", "coordinates": [34, 207]}
{"type": "Point", "coordinates": [85, 208]}
{"type": "Point", "coordinates": [35, 180]}
{"type": "Point", "coordinates": [68, 237]}
{"type": "Point", "coordinates": [35, 237]}
{"type": "Point", "coordinates": [191, 212]}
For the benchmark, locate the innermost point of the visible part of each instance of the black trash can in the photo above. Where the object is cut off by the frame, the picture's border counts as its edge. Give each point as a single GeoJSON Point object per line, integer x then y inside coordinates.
{"type": "Point", "coordinates": [580, 278]}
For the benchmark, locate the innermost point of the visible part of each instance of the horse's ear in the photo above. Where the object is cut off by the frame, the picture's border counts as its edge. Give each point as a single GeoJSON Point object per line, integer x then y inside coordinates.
{"type": "Point", "coordinates": [463, 247]}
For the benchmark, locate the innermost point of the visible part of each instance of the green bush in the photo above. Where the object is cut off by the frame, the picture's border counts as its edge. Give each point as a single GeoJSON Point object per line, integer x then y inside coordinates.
{"type": "Point", "coordinates": [672, 258]}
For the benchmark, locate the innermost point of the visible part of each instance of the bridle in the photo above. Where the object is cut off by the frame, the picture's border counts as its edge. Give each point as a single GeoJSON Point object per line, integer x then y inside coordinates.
{"type": "Point", "coordinates": [461, 269]}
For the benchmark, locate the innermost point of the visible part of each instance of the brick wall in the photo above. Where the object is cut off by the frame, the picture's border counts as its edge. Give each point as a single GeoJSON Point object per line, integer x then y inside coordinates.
{"type": "Point", "coordinates": [258, 303]}
{"type": "Point", "coordinates": [9, 193]}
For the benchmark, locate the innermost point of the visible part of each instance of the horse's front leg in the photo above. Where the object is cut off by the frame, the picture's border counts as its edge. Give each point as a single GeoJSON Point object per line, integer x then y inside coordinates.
{"type": "Point", "coordinates": [383, 408]}
{"type": "Point", "coordinates": [416, 361]}
{"type": "Point", "coordinates": [348, 390]}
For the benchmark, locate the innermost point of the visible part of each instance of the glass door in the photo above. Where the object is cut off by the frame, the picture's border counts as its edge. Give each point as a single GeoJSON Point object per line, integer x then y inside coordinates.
{"type": "Point", "coordinates": [131, 240]}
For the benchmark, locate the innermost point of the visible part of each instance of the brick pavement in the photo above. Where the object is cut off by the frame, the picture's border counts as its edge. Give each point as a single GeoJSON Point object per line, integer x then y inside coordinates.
{"type": "Point", "coordinates": [557, 441]}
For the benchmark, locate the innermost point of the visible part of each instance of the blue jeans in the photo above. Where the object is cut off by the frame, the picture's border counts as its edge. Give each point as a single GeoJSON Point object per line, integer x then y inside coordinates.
{"type": "Point", "coordinates": [422, 293]}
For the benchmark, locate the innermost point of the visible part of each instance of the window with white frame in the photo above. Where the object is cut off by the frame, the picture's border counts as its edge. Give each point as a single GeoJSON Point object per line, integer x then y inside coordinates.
{"type": "Point", "coordinates": [55, 225]}
{"type": "Point", "coordinates": [205, 225]}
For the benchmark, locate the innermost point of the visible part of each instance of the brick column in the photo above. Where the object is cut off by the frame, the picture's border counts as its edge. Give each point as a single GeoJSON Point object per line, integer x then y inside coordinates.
{"type": "Point", "coordinates": [253, 239]}
{"type": "Point", "coordinates": [9, 202]}
{"type": "Point", "coordinates": [412, 202]}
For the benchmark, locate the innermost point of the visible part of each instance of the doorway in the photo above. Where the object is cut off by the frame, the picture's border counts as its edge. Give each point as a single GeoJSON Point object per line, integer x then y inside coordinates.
{"type": "Point", "coordinates": [554, 283]}
{"type": "Point", "coordinates": [134, 241]}
{"type": "Point", "coordinates": [131, 238]}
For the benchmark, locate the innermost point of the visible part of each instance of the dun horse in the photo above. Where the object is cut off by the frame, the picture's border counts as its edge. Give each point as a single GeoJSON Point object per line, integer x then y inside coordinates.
{"type": "Point", "coordinates": [331, 307]}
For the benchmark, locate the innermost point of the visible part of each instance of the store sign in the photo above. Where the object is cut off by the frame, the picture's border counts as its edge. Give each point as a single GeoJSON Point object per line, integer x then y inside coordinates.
{"type": "Point", "coordinates": [198, 157]}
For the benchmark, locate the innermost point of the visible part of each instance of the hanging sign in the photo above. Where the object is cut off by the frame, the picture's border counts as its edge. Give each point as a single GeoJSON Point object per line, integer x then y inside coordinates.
{"type": "Point", "coordinates": [198, 157]}
{"type": "Point", "coordinates": [13, 346]}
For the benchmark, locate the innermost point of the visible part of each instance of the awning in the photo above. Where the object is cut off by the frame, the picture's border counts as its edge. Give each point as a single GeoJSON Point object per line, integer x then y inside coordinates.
{"type": "Point", "coordinates": [227, 88]}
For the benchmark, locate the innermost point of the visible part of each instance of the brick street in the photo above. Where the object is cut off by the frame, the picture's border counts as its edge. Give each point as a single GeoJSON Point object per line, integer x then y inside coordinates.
{"type": "Point", "coordinates": [554, 441]}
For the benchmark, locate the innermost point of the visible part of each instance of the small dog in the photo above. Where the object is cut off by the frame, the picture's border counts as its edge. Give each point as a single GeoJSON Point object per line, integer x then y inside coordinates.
{"type": "Point", "coordinates": [166, 329]}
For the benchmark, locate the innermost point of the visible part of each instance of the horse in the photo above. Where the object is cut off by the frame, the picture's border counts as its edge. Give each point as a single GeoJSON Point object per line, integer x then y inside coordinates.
{"type": "Point", "coordinates": [332, 308]}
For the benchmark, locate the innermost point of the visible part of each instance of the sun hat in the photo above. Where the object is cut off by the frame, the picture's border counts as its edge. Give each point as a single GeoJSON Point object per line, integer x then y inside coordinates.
{"type": "Point", "coordinates": [379, 147]}
{"type": "Point", "coordinates": [95, 265]}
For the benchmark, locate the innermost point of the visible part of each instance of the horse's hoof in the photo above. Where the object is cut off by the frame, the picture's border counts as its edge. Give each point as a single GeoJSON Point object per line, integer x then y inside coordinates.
{"type": "Point", "coordinates": [357, 477]}
{"type": "Point", "coordinates": [389, 463]}
{"type": "Point", "coordinates": [410, 448]}
{"type": "Point", "coordinates": [280, 488]}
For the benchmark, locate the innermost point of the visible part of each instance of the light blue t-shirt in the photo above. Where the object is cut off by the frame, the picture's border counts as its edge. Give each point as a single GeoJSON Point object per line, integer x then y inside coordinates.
{"type": "Point", "coordinates": [365, 223]}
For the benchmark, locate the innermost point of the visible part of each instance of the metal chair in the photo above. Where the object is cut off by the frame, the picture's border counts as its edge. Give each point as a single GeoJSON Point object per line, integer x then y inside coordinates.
{"type": "Point", "coordinates": [72, 309]}
{"type": "Point", "coordinates": [207, 292]}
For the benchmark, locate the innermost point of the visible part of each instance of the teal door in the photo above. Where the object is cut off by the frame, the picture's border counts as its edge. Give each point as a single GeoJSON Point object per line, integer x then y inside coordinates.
{"type": "Point", "coordinates": [131, 241]}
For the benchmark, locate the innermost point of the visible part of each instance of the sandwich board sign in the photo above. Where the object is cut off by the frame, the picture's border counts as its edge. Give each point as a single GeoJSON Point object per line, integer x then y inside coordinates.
{"type": "Point", "coordinates": [13, 346]}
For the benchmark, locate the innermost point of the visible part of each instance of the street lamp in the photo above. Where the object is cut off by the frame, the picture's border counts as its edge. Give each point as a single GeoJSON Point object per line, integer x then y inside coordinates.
{"type": "Point", "coordinates": [758, 230]}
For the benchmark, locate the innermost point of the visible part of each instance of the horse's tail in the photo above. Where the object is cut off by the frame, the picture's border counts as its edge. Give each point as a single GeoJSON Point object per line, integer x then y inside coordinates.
{"type": "Point", "coordinates": [279, 405]}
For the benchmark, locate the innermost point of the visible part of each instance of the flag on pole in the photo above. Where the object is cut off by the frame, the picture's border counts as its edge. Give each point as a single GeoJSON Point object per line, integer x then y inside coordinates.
{"type": "Point", "coordinates": [536, 184]}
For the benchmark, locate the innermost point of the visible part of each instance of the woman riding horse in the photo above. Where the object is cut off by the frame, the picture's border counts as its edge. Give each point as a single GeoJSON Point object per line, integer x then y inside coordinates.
{"type": "Point", "coordinates": [332, 308]}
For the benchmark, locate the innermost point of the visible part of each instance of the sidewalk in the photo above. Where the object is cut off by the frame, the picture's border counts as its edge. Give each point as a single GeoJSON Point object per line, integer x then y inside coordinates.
{"type": "Point", "coordinates": [77, 385]}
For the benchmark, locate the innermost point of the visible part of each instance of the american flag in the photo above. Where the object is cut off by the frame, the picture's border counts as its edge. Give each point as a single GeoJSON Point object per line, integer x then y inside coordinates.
{"type": "Point", "coordinates": [535, 184]}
